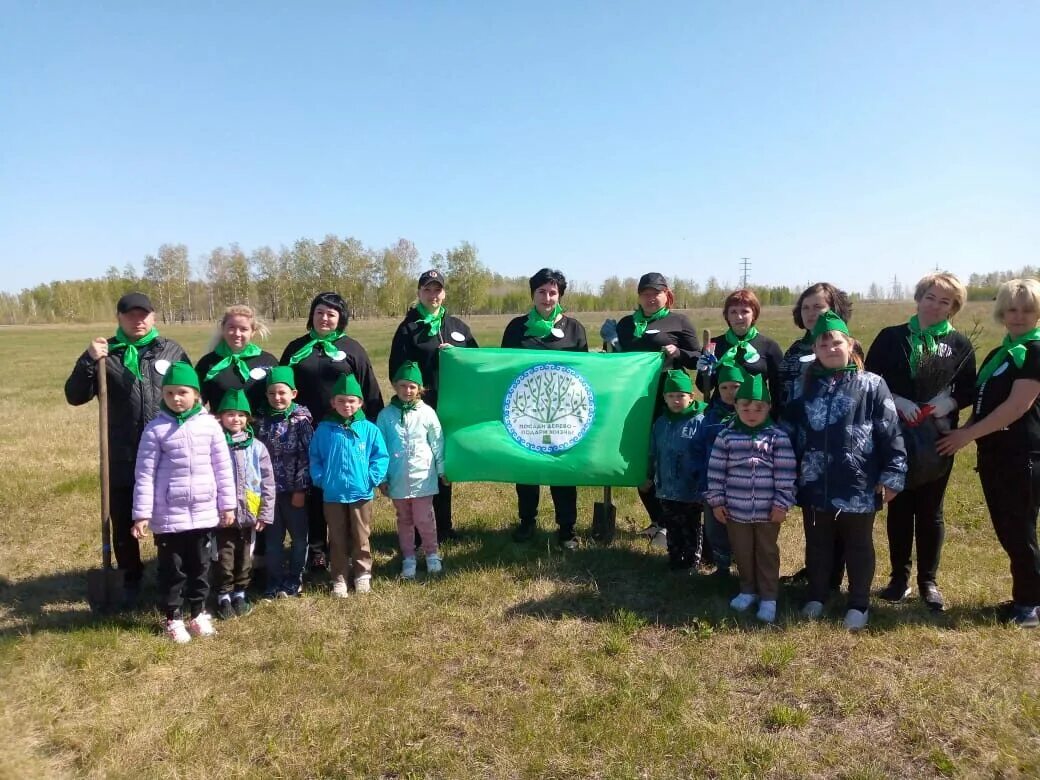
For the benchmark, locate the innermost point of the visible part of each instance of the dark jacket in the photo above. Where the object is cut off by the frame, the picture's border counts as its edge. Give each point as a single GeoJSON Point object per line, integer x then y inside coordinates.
{"type": "Point", "coordinates": [230, 379]}
{"type": "Point", "coordinates": [411, 342]}
{"type": "Point", "coordinates": [798, 357]}
{"type": "Point", "coordinates": [132, 402]}
{"type": "Point", "coordinates": [768, 363]}
{"type": "Point", "coordinates": [288, 441]}
{"type": "Point", "coordinates": [716, 417]}
{"type": "Point", "coordinates": [673, 329]}
{"type": "Point", "coordinates": [572, 340]}
{"type": "Point", "coordinates": [317, 373]}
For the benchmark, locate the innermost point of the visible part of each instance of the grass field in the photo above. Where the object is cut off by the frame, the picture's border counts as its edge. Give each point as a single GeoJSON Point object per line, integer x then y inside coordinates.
{"type": "Point", "coordinates": [520, 662]}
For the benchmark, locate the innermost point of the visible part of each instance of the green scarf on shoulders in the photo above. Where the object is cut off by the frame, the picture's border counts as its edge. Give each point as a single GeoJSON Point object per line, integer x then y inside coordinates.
{"type": "Point", "coordinates": [131, 359]}
{"type": "Point", "coordinates": [230, 358]}
{"type": "Point", "coordinates": [432, 320]}
{"type": "Point", "coordinates": [736, 342]}
{"type": "Point", "coordinates": [326, 342]}
{"type": "Point", "coordinates": [641, 320]}
{"type": "Point", "coordinates": [538, 326]}
{"type": "Point", "coordinates": [922, 340]}
{"type": "Point", "coordinates": [1013, 348]}
{"type": "Point", "coordinates": [181, 417]}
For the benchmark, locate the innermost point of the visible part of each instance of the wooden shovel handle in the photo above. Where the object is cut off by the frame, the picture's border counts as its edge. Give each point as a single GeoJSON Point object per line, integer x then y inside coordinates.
{"type": "Point", "coordinates": [106, 522]}
{"type": "Point", "coordinates": [705, 347]}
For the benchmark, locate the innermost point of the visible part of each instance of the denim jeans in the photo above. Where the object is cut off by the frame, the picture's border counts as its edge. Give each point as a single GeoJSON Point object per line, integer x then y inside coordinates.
{"type": "Point", "coordinates": [294, 520]}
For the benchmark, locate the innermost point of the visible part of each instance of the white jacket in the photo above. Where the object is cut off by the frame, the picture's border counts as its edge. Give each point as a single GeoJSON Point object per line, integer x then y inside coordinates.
{"type": "Point", "coordinates": [416, 450]}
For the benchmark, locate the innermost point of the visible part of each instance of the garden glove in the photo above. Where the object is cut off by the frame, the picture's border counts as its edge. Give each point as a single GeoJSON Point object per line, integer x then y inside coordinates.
{"type": "Point", "coordinates": [707, 363]}
{"type": "Point", "coordinates": [608, 331]}
{"type": "Point", "coordinates": [908, 411]}
{"type": "Point", "coordinates": [942, 405]}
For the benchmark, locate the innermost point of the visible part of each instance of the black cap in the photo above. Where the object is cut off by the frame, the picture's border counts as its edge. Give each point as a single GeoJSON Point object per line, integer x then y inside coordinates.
{"type": "Point", "coordinates": [433, 275]}
{"type": "Point", "coordinates": [656, 281]}
{"type": "Point", "coordinates": [134, 301]}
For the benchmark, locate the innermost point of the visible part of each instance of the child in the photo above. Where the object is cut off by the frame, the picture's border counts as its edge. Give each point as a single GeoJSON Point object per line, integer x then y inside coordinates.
{"type": "Point", "coordinates": [416, 446]}
{"type": "Point", "coordinates": [673, 471]}
{"type": "Point", "coordinates": [719, 414]}
{"type": "Point", "coordinates": [751, 475]}
{"type": "Point", "coordinates": [255, 489]}
{"type": "Point", "coordinates": [184, 485]}
{"type": "Point", "coordinates": [348, 459]}
{"type": "Point", "coordinates": [846, 432]}
{"type": "Point", "coordinates": [285, 428]}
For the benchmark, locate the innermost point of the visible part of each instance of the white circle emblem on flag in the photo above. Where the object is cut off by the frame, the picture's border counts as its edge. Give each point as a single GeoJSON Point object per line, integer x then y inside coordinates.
{"type": "Point", "coordinates": [548, 408]}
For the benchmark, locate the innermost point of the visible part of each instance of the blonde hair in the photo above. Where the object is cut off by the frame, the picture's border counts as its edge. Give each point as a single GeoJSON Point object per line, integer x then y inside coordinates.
{"type": "Point", "coordinates": [1015, 290]}
{"type": "Point", "coordinates": [947, 283]}
{"type": "Point", "coordinates": [260, 329]}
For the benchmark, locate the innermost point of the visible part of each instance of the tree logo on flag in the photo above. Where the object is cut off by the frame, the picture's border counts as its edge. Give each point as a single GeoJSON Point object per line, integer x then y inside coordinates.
{"type": "Point", "coordinates": [548, 408]}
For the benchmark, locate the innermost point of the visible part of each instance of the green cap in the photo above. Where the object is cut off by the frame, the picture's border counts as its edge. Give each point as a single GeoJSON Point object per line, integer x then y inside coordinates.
{"type": "Point", "coordinates": [678, 381]}
{"type": "Point", "coordinates": [234, 401]}
{"type": "Point", "coordinates": [754, 388]}
{"type": "Point", "coordinates": [409, 372]}
{"type": "Point", "coordinates": [181, 374]}
{"type": "Point", "coordinates": [347, 384]}
{"type": "Point", "coordinates": [281, 375]}
{"type": "Point", "coordinates": [729, 372]}
{"type": "Point", "coordinates": [827, 322]}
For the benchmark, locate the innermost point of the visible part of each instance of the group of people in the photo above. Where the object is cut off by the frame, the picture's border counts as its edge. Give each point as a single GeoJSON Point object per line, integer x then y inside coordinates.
{"type": "Point", "coordinates": [298, 446]}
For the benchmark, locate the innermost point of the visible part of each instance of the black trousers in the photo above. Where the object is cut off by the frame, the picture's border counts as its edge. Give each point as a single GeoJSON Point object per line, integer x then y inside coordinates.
{"type": "Point", "coordinates": [234, 562]}
{"type": "Point", "coordinates": [442, 509]}
{"type": "Point", "coordinates": [652, 505]}
{"type": "Point", "coordinates": [856, 531]}
{"type": "Point", "coordinates": [1011, 484]}
{"type": "Point", "coordinates": [917, 512]}
{"type": "Point", "coordinates": [685, 536]}
{"type": "Point", "coordinates": [126, 548]}
{"type": "Point", "coordinates": [565, 502]}
{"type": "Point", "coordinates": [317, 528]}
{"type": "Point", "coordinates": [183, 575]}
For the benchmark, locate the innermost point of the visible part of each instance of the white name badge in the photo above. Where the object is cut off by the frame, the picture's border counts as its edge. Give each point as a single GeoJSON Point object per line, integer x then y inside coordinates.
{"type": "Point", "coordinates": [258, 373]}
{"type": "Point", "coordinates": [1002, 369]}
{"type": "Point", "coordinates": [651, 332]}
{"type": "Point", "coordinates": [339, 355]}
{"type": "Point", "coordinates": [161, 367]}
{"type": "Point", "coordinates": [456, 336]}
{"type": "Point", "coordinates": [752, 359]}
{"type": "Point", "coordinates": [807, 358]}
{"type": "Point", "coordinates": [557, 333]}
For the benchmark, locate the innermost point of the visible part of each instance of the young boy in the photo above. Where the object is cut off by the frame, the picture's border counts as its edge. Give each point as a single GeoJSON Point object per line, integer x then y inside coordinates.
{"type": "Point", "coordinates": [751, 476]}
{"type": "Point", "coordinates": [674, 471]}
{"type": "Point", "coordinates": [348, 460]}
{"type": "Point", "coordinates": [285, 428]}
{"type": "Point", "coordinates": [255, 491]}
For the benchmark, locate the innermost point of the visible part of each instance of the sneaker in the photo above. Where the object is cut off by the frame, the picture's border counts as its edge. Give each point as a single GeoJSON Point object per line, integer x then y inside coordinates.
{"type": "Point", "coordinates": [433, 564]}
{"type": "Point", "coordinates": [800, 577]}
{"type": "Point", "coordinates": [281, 593]}
{"type": "Point", "coordinates": [651, 531]}
{"type": "Point", "coordinates": [856, 619]}
{"type": "Point", "coordinates": [339, 588]}
{"type": "Point", "coordinates": [1025, 617]}
{"type": "Point", "coordinates": [932, 597]}
{"type": "Point", "coordinates": [241, 606]}
{"type": "Point", "coordinates": [567, 540]}
{"type": "Point", "coordinates": [743, 602]}
{"type": "Point", "coordinates": [896, 590]}
{"type": "Point", "coordinates": [201, 625]}
{"type": "Point", "coordinates": [660, 539]}
{"type": "Point", "coordinates": [767, 611]}
{"type": "Point", "coordinates": [408, 568]}
{"type": "Point", "coordinates": [524, 532]}
{"type": "Point", "coordinates": [224, 609]}
{"type": "Point", "coordinates": [176, 630]}
{"type": "Point", "coordinates": [271, 593]}
{"type": "Point", "coordinates": [813, 610]}
{"type": "Point", "coordinates": [363, 583]}
{"type": "Point", "coordinates": [291, 589]}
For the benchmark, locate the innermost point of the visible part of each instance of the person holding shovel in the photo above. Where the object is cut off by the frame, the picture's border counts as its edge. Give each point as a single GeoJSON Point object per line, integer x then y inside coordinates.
{"type": "Point", "coordinates": [135, 361]}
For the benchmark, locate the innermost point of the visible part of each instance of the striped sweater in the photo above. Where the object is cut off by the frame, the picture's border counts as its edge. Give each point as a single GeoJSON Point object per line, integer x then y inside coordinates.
{"type": "Point", "coordinates": [749, 476]}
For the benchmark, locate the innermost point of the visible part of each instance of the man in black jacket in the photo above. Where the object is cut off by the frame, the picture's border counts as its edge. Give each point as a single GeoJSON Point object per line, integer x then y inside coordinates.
{"type": "Point", "coordinates": [137, 359]}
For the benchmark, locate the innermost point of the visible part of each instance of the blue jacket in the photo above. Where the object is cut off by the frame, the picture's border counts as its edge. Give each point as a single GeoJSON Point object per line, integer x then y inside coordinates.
{"type": "Point", "coordinates": [715, 420]}
{"type": "Point", "coordinates": [846, 434]}
{"type": "Point", "coordinates": [675, 470]}
{"type": "Point", "coordinates": [347, 463]}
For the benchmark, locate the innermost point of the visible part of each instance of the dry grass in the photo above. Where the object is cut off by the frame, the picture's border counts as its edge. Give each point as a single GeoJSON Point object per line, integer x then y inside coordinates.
{"type": "Point", "coordinates": [520, 662]}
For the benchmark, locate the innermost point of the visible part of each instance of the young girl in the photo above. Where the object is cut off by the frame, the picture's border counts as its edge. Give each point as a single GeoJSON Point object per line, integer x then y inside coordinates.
{"type": "Point", "coordinates": [751, 477]}
{"type": "Point", "coordinates": [846, 433]}
{"type": "Point", "coordinates": [255, 489]}
{"type": "Point", "coordinates": [184, 486]}
{"type": "Point", "coordinates": [348, 460]}
{"type": "Point", "coordinates": [416, 446]}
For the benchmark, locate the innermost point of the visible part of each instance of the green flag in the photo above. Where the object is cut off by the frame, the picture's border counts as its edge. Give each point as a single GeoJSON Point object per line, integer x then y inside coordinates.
{"type": "Point", "coordinates": [547, 418]}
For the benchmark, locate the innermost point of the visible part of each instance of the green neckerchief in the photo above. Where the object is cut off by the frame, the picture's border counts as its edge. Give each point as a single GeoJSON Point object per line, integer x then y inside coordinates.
{"type": "Point", "coordinates": [327, 343]}
{"type": "Point", "coordinates": [539, 326]}
{"type": "Point", "coordinates": [130, 358]}
{"type": "Point", "coordinates": [818, 370]}
{"type": "Point", "coordinates": [239, 444]}
{"type": "Point", "coordinates": [752, 432]}
{"type": "Point", "coordinates": [1015, 348]}
{"type": "Point", "coordinates": [281, 414]}
{"type": "Point", "coordinates": [236, 359]}
{"type": "Point", "coordinates": [641, 320]}
{"type": "Point", "coordinates": [922, 340]}
{"type": "Point", "coordinates": [736, 342]}
{"type": "Point", "coordinates": [404, 407]}
{"type": "Point", "coordinates": [181, 417]}
{"type": "Point", "coordinates": [346, 422]}
{"type": "Point", "coordinates": [692, 410]}
{"type": "Point", "coordinates": [432, 320]}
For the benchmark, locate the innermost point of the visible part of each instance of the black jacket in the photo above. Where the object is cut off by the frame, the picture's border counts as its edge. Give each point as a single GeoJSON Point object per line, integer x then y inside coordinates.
{"type": "Point", "coordinates": [132, 402]}
{"type": "Point", "coordinates": [769, 359]}
{"type": "Point", "coordinates": [317, 373]}
{"type": "Point", "coordinates": [572, 340]}
{"type": "Point", "coordinates": [230, 379]}
{"type": "Point", "coordinates": [411, 342]}
{"type": "Point", "coordinates": [672, 329]}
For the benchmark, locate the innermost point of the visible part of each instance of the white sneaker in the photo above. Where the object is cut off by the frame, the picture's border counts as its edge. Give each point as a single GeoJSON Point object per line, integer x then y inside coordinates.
{"type": "Point", "coordinates": [202, 625]}
{"type": "Point", "coordinates": [767, 611]}
{"type": "Point", "coordinates": [363, 584]}
{"type": "Point", "coordinates": [339, 588]}
{"type": "Point", "coordinates": [408, 568]}
{"type": "Point", "coordinates": [743, 602]}
{"type": "Point", "coordinates": [433, 564]}
{"type": "Point", "coordinates": [177, 631]}
{"type": "Point", "coordinates": [660, 539]}
{"type": "Point", "coordinates": [856, 620]}
{"type": "Point", "coordinates": [813, 610]}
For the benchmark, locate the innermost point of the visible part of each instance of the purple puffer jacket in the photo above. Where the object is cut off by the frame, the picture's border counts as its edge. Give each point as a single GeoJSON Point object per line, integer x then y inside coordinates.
{"type": "Point", "coordinates": [183, 474]}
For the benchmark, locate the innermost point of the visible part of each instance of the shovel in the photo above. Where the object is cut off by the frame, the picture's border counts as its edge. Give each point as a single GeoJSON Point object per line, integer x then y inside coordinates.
{"type": "Point", "coordinates": [604, 518]}
{"type": "Point", "coordinates": [104, 585]}
{"type": "Point", "coordinates": [706, 346]}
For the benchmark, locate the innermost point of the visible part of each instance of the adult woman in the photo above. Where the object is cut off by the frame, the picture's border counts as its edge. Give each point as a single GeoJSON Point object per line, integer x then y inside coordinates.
{"type": "Point", "coordinates": [1006, 425]}
{"type": "Point", "coordinates": [546, 327]}
{"type": "Point", "coordinates": [236, 363]}
{"type": "Point", "coordinates": [743, 345]}
{"type": "Point", "coordinates": [425, 331]}
{"type": "Point", "coordinates": [318, 359]}
{"type": "Point", "coordinates": [930, 369]}
{"type": "Point", "coordinates": [813, 302]}
{"type": "Point", "coordinates": [654, 327]}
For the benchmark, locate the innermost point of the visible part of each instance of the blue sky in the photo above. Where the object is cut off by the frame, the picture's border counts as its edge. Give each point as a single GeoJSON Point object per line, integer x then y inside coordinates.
{"type": "Point", "coordinates": [840, 141]}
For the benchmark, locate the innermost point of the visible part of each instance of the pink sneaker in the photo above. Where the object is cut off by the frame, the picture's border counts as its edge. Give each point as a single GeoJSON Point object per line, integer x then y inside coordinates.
{"type": "Point", "coordinates": [201, 625]}
{"type": "Point", "coordinates": [175, 630]}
